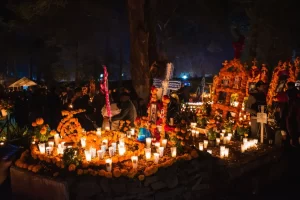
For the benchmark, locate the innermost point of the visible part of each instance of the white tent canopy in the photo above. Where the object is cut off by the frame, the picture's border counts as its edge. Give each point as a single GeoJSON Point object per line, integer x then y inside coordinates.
{"type": "Point", "coordinates": [23, 82]}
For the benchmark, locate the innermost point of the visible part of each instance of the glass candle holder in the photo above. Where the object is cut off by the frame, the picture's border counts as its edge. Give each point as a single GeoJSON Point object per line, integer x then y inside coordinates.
{"type": "Point", "coordinates": [205, 142]}
{"type": "Point", "coordinates": [226, 152]}
{"type": "Point", "coordinates": [122, 150]}
{"type": "Point", "coordinates": [132, 131]}
{"type": "Point", "coordinates": [161, 151]}
{"type": "Point", "coordinates": [42, 148]}
{"type": "Point", "coordinates": [100, 154]}
{"type": "Point", "coordinates": [201, 146]}
{"type": "Point", "coordinates": [245, 140]}
{"type": "Point", "coordinates": [157, 145]}
{"type": "Point", "coordinates": [51, 144]}
{"type": "Point", "coordinates": [107, 128]}
{"type": "Point", "coordinates": [218, 141]}
{"type": "Point", "coordinates": [243, 148]}
{"type": "Point", "coordinates": [164, 143]}
{"type": "Point", "coordinates": [83, 142]}
{"type": "Point", "coordinates": [148, 142]}
{"type": "Point", "coordinates": [99, 129]}
{"type": "Point", "coordinates": [111, 151]}
{"type": "Point", "coordinates": [255, 141]}
{"type": "Point", "coordinates": [93, 152]}
{"type": "Point", "coordinates": [222, 136]}
{"type": "Point", "coordinates": [114, 145]}
{"type": "Point", "coordinates": [98, 133]}
{"type": "Point", "coordinates": [108, 163]}
{"type": "Point", "coordinates": [173, 152]}
{"type": "Point", "coordinates": [197, 134]}
{"type": "Point", "coordinates": [229, 135]}
{"type": "Point", "coordinates": [156, 158]}
{"type": "Point", "coordinates": [56, 139]}
{"type": "Point", "coordinates": [148, 153]}
{"type": "Point", "coordinates": [134, 160]}
{"type": "Point", "coordinates": [105, 142]}
{"type": "Point", "coordinates": [103, 148]}
{"type": "Point", "coordinates": [49, 150]}
{"type": "Point", "coordinates": [88, 155]}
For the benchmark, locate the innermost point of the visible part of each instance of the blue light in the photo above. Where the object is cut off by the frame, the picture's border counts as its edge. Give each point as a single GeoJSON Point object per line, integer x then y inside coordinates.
{"type": "Point", "coordinates": [101, 75]}
{"type": "Point", "coordinates": [184, 77]}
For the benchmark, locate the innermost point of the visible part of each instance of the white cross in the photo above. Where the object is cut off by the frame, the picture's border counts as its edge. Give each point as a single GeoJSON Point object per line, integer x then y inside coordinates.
{"type": "Point", "coordinates": [262, 118]}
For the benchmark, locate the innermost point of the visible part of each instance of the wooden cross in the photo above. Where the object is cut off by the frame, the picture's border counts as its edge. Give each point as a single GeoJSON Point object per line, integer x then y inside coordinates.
{"type": "Point", "coordinates": [262, 118]}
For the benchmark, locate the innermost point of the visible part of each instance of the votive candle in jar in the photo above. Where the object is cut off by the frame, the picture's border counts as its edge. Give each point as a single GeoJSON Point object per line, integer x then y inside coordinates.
{"type": "Point", "coordinates": [157, 145]}
{"type": "Point", "coordinates": [209, 151]}
{"type": "Point", "coordinates": [122, 150]}
{"type": "Point", "coordinates": [42, 148]}
{"type": "Point", "coordinates": [173, 152]}
{"type": "Point", "coordinates": [148, 142]}
{"type": "Point", "coordinates": [245, 140]}
{"type": "Point", "coordinates": [148, 153]}
{"type": "Point", "coordinates": [223, 131]}
{"type": "Point", "coordinates": [100, 154]}
{"type": "Point", "coordinates": [132, 131]}
{"type": "Point", "coordinates": [164, 143]}
{"type": "Point", "coordinates": [218, 141]}
{"type": "Point", "coordinates": [88, 155]}
{"type": "Point", "coordinates": [49, 150]}
{"type": "Point", "coordinates": [243, 148]}
{"type": "Point", "coordinates": [228, 138]}
{"type": "Point", "coordinates": [103, 148]}
{"type": "Point", "coordinates": [226, 152]}
{"type": "Point", "coordinates": [108, 163]}
{"type": "Point", "coordinates": [98, 133]}
{"type": "Point", "coordinates": [107, 128]}
{"type": "Point", "coordinates": [111, 151]}
{"type": "Point", "coordinates": [51, 144]}
{"type": "Point", "coordinates": [56, 139]}
{"type": "Point", "coordinates": [83, 142]}
{"type": "Point", "coordinates": [114, 145]}
{"type": "Point", "coordinates": [197, 134]}
{"type": "Point", "coordinates": [134, 160]}
{"type": "Point", "coordinates": [205, 142]}
{"type": "Point", "coordinates": [105, 142]}
{"type": "Point", "coordinates": [193, 133]}
{"type": "Point", "coordinates": [93, 152]}
{"type": "Point", "coordinates": [156, 158]}
{"type": "Point", "coordinates": [201, 146]}
{"type": "Point", "coordinates": [222, 136]}
{"type": "Point", "coordinates": [161, 151]}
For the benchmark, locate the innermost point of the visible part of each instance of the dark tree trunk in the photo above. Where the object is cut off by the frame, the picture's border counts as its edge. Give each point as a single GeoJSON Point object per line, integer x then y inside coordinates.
{"type": "Point", "coordinates": [151, 19]}
{"type": "Point", "coordinates": [139, 38]}
{"type": "Point", "coordinates": [121, 65]}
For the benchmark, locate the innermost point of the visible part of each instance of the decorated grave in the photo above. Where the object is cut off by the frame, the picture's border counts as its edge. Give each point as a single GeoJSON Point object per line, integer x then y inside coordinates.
{"type": "Point", "coordinates": [155, 159]}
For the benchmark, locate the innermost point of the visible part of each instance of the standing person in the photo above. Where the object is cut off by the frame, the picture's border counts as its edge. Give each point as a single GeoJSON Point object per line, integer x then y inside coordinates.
{"type": "Point", "coordinates": [5, 190]}
{"type": "Point", "coordinates": [256, 99]}
{"type": "Point", "coordinates": [128, 111]}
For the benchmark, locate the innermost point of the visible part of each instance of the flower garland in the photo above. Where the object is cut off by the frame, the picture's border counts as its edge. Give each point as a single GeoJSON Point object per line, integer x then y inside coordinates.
{"type": "Point", "coordinates": [69, 124]}
{"type": "Point", "coordinates": [104, 88]}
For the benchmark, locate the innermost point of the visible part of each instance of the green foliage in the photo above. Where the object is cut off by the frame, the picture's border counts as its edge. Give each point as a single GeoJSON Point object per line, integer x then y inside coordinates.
{"type": "Point", "coordinates": [39, 134]}
{"type": "Point", "coordinates": [15, 132]}
{"type": "Point", "coordinates": [202, 122]}
{"type": "Point", "coordinates": [211, 135]}
{"type": "Point", "coordinates": [71, 157]}
{"type": "Point", "coordinates": [242, 130]}
{"type": "Point", "coordinates": [228, 125]}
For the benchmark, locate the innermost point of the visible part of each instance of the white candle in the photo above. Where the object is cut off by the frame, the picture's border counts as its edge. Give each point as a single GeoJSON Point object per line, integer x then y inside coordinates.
{"type": "Point", "coordinates": [88, 155]}
{"type": "Point", "coordinates": [156, 158]}
{"type": "Point", "coordinates": [148, 153]}
{"type": "Point", "coordinates": [205, 142]}
{"type": "Point", "coordinates": [218, 141]}
{"type": "Point", "coordinates": [108, 164]}
{"type": "Point", "coordinates": [48, 150]}
{"type": "Point", "coordinates": [193, 133]}
{"type": "Point", "coordinates": [107, 128]}
{"type": "Point", "coordinates": [226, 152]}
{"type": "Point", "coordinates": [56, 139]}
{"type": "Point", "coordinates": [173, 151]}
{"type": "Point", "coordinates": [245, 140]}
{"type": "Point", "coordinates": [69, 147]}
{"type": "Point", "coordinates": [223, 131]}
{"type": "Point", "coordinates": [83, 142]}
{"type": "Point", "coordinates": [255, 141]}
{"type": "Point", "coordinates": [148, 142]}
{"type": "Point", "coordinates": [98, 133]}
{"type": "Point", "coordinates": [222, 136]}
{"type": "Point", "coordinates": [134, 160]}
{"type": "Point", "coordinates": [93, 152]}
{"type": "Point", "coordinates": [197, 134]}
{"type": "Point", "coordinates": [42, 148]}
{"type": "Point", "coordinates": [164, 143]}
{"type": "Point", "coordinates": [111, 151]}
{"type": "Point", "coordinates": [100, 154]}
{"type": "Point", "coordinates": [132, 131]}
{"type": "Point", "coordinates": [103, 148]}
{"type": "Point", "coordinates": [161, 151]}
{"type": "Point", "coordinates": [229, 135]}
{"type": "Point", "coordinates": [51, 144]}
{"type": "Point", "coordinates": [171, 121]}
{"type": "Point", "coordinates": [157, 145]}
{"type": "Point", "coordinates": [99, 129]}
{"type": "Point", "coordinates": [209, 151]}
{"type": "Point", "coordinates": [60, 149]}
{"type": "Point", "coordinates": [114, 145]}
{"type": "Point", "coordinates": [228, 138]}
{"type": "Point", "coordinates": [222, 151]}
{"type": "Point", "coordinates": [105, 142]}
{"type": "Point", "coordinates": [243, 148]}
{"type": "Point", "coordinates": [122, 150]}
{"type": "Point", "coordinates": [201, 146]}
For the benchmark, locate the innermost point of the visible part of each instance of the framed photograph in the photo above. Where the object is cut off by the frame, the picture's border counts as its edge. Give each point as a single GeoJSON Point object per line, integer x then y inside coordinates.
{"type": "Point", "coordinates": [153, 112]}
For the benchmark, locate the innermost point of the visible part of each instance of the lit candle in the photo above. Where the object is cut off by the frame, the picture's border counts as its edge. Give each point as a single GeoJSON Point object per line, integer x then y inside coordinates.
{"type": "Point", "coordinates": [107, 128]}
{"type": "Point", "coordinates": [56, 139]}
{"type": "Point", "coordinates": [245, 116]}
{"type": "Point", "coordinates": [222, 136]}
{"type": "Point", "coordinates": [171, 121]}
{"type": "Point", "coordinates": [93, 152]}
{"type": "Point", "coordinates": [197, 134]}
{"type": "Point", "coordinates": [134, 160]}
{"type": "Point", "coordinates": [201, 146]}
{"type": "Point", "coordinates": [229, 135]}
{"type": "Point", "coordinates": [255, 141]}
{"type": "Point", "coordinates": [108, 164]}
{"type": "Point", "coordinates": [148, 153]}
{"type": "Point", "coordinates": [88, 155]}
{"type": "Point", "coordinates": [156, 158]}
{"type": "Point", "coordinates": [99, 129]}
{"type": "Point", "coordinates": [161, 151]}
{"type": "Point", "coordinates": [218, 141]}
{"type": "Point", "coordinates": [51, 144]}
{"type": "Point", "coordinates": [228, 138]}
{"type": "Point", "coordinates": [111, 151]}
{"type": "Point", "coordinates": [122, 150]}
{"type": "Point", "coordinates": [209, 151]}
{"type": "Point", "coordinates": [83, 142]}
{"type": "Point", "coordinates": [100, 154]}
{"type": "Point", "coordinates": [193, 133]}
{"type": "Point", "coordinates": [222, 151]}
{"type": "Point", "coordinates": [205, 142]}
{"type": "Point", "coordinates": [245, 140]}
{"type": "Point", "coordinates": [48, 150]}
{"type": "Point", "coordinates": [103, 148]}
{"type": "Point", "coordinates": [121, 142]}
{"type": "Point", "coordinates": [243, 148]}
{"type": "Point", "coordinates": [226, 152]}
{"type": "Point", "coordinates": [223, 131]}
{"type": "Point", "coordinates": [2, 143]}
{"type": "Point", "coordinates": [132, 131]}
{"type": "Point", "coordinates": [105, 142]}
{"type": "Point", "coordinates": [157, 145]}
{"type": "Point", "coordinates": [60, 149]}
{"type": "Point", "coordinates": [69, 147]}
{"type": "Point", "coordinates": [164, 143]}
{"type": "Point", "coordinates": [173, 151]}
{"type": "Point", "coordinates": [114, 145]}
{"type": "Point", "coordinates": [148, 142]}
{"type": "Point", "coordinates": [42, 148]}
{"type": "Point", "coordinates": [98, 133]}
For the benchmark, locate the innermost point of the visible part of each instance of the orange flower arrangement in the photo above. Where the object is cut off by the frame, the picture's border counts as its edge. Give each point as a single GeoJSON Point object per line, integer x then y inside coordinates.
{"type": "Point", "coordinates": [69, 124]}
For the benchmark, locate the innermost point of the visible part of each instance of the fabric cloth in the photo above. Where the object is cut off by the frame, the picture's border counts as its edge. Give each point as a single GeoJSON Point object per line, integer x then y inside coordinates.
{"type": "Point", "coordinates": [128, 112]}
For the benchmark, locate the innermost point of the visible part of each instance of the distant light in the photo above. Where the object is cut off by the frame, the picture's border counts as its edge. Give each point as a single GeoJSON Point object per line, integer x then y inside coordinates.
{"type": "Point", "coordinates": [184, 77]}
{"type": "Point", "coordinates": [122, 74]}
{"type": "Point", "coordinates": [101, 75]}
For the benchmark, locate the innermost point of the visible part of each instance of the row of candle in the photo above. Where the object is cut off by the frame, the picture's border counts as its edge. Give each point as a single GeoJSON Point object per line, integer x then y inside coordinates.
{"type": "Point", "coordinates": [157, 144]}
{"type": "Point", "coordinates": [248, 144]}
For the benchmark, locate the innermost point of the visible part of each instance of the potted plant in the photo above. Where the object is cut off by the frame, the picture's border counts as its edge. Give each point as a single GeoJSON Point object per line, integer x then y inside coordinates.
{"type": "Point", "coordinates": [211, 135]}
{"type": "Point", "coordinates": [242, 131]}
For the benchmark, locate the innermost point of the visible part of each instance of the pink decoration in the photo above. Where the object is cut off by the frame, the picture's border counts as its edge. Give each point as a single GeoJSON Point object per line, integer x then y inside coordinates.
{"type": "Point", "coordinates": [104, 89]}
